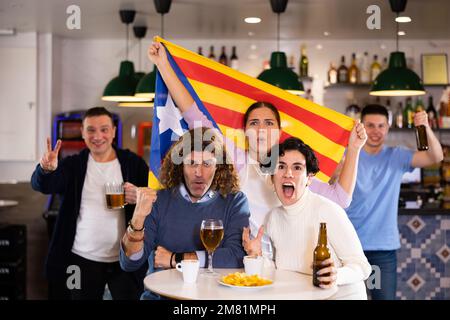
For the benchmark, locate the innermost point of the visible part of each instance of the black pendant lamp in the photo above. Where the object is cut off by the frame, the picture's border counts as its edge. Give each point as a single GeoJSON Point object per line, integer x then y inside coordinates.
{"type": "Point", "coordinates": [146, 86]}
{"type": "Point", "coordinates": [279, 74]}
{"type": "Point", "coordinates": [123, 87]}
{"type": "Point", "coordinates": [397, 79]}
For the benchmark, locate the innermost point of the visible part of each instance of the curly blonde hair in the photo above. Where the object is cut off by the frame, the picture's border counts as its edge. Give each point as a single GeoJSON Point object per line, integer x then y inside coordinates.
{"type": "Point", "coordinates": [226, 179]}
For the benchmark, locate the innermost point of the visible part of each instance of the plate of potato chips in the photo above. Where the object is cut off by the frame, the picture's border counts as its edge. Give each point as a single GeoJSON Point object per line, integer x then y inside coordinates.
{"type": "Point", "coordinates": [241, 280]}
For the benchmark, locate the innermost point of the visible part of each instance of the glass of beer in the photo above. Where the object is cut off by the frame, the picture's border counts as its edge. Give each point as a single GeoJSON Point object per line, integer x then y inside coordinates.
{"type": "Point", "coordinates": [115, 195]}
{"type": "Point", "coordinates": [211, 234]}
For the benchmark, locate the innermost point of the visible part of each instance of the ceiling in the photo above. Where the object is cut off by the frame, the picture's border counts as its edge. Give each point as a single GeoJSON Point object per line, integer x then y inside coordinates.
{"type": "Point", "coordinates": [194, 19]}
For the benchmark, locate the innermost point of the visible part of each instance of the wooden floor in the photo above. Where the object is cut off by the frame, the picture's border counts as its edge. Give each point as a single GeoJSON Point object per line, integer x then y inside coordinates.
{"type": "Point", "coordinates": [29, 212]}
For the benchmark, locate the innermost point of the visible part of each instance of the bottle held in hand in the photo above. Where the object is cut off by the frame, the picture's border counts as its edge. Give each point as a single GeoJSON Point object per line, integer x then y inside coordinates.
{"type": "Point", "coordinates": [321, 253]}
{"type": "Point", "coordinates": [421, 131]}
{"type": "Point", "coordinates": [421, 138]}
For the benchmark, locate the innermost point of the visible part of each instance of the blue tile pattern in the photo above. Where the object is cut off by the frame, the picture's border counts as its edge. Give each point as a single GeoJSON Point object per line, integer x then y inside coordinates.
{"type": "Point", "coordinates": [423, 267]}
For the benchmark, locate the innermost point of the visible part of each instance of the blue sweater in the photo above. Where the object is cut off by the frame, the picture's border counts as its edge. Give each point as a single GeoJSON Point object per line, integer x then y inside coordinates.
{"type": "Point", "coordinates": [174, 224]}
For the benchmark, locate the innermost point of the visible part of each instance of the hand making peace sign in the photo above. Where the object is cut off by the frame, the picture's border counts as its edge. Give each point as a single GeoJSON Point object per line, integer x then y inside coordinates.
{"type": "Point", "coordinates": [49, 161]}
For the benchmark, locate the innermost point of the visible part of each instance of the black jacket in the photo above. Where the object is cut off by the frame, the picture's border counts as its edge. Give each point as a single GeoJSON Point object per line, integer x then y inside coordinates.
{"type": "Point", "coordinates": [67, 181]}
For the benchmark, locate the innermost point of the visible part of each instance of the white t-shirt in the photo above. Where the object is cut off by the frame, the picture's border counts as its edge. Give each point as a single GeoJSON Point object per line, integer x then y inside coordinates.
{"type": "Point", "coordinates": [99, 230]}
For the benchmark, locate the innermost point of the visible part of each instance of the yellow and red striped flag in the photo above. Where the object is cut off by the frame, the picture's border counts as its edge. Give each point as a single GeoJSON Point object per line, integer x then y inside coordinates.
{"type": "Point", "coordinates": [227, 93]}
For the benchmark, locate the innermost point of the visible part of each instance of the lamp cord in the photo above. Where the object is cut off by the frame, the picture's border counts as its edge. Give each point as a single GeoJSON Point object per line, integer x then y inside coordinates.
{"type": "Point", "coordinates": [278, 31]}
{"type": "Point", "coordinates": [162, 26]}
{"type": "Point", "coordinates": [396, 39]}
{"type": "Point", "coordinates": [127, 45]}
{"type": "Point", "coordinates": [139, 54]}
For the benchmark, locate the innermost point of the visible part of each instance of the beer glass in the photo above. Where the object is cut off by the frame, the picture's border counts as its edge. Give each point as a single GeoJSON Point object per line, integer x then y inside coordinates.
{"type": "Point", "coordinates": [211, 234]}
{"type": "Point", "coordinates": [115, 195]}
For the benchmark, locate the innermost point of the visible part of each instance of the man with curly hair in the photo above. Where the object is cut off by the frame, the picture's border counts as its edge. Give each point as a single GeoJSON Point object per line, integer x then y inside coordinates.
{"type": "Point", "coordinates": [199, 183]}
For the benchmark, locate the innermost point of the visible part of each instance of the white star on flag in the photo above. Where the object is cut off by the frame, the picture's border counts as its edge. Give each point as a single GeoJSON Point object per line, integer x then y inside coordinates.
{"type": "Point", "coordinates": [169, 117]}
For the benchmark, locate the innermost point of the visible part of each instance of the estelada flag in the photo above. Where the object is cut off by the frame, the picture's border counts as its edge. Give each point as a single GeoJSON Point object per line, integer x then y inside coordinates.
{"type": "Point", "coordinates": [224, 94]}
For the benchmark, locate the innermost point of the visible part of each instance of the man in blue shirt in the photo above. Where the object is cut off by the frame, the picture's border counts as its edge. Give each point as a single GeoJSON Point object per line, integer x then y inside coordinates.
{"type": "Point", "coordinates": [374, 207]}
{"type": "Point", "coordinates": [199, 183]}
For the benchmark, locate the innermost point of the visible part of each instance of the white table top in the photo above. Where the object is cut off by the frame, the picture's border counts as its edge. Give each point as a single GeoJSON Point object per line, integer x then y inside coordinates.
{"type": "Point", "coordinates": [287, 285]}
{"type": "Point", "coordinates": [8, 203]}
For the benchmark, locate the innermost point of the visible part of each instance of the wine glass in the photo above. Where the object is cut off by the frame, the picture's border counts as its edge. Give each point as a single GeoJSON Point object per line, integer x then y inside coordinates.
{"type": "Point", "coordinates": [211, 233]}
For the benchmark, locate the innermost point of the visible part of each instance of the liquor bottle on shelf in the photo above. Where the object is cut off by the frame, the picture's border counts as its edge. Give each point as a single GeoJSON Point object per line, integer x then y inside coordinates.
{"type": "Point", "coordinates": [223, 58]}
{"type": "Point", "coordinates": [303, 65]}
{"type": "Point", "coordinates": [343, 72]}
{"type": "Point", "coordinates": [421, 132]}
{"type": "Point", "coordinates": [212, 56]}
{"type": "Point", "coordinates": [353, 71]}
{"type": "Point", "coordinates": [332, 74]}
{"type": "Point", "coordinates": [399, 116]}
{"type": "Point", "coordinates": [353, 110]}
{"type": "Point", "coordinates": [375, 68]}
{"type": "Point", "coordinates": [448, 104]}
{"type": "Point", "coordinates": [389, 110]}
{"type": "Point", "coordinates": [234, 61]}
{"type": "Point", "coordinates": [432, 114]}
{"type": "Point", "coordinates": [408, 114]}
{"type": "Point", "coordinates": [419, 105]}
{"type": "Point", "coordinates": [309, 96]}
{"type": "Point", "coordinates": [385, 64]}
{"type": "Point", "coordinates": [200, 51]}
{"type": "Point", "coordinates": [443, 108]}
{"type": "Point", "coordinates": [365, 69]}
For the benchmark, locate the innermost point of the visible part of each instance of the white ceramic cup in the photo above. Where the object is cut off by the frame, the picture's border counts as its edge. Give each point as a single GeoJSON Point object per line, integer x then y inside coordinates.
{"type": "Point", "coordinates": [189, 268]}
{"type": "Point", "coordinates": [253, 265]}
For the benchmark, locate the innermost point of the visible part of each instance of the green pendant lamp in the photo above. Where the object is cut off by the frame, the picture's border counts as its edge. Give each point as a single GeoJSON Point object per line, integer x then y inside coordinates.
{"type": "Point", "coordinates": [397, 79]}
{"type": "Point", "coordinates": [146, 87]}
{"type": "Point", "coordinates": [123, 87]}
{"type": "Point", "coordinates": [146, 104]}
{"type": "Point", "coordinates": [279, 74]}
{"type": "Point", "coordinates": [139, 32]}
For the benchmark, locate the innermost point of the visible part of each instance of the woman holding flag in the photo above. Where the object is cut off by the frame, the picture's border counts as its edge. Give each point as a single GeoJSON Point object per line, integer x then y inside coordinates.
{"type": "Point", "coordinates": [262, 126]}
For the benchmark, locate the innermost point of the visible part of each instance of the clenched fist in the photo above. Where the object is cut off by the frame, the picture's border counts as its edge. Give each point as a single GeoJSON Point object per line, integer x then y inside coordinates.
{"type": "Point", "coordinates": [162, 257]}
{"type": "Point", "coordinates": [145, 197]}
{"type": "Point", "coordinates": [157, 54]}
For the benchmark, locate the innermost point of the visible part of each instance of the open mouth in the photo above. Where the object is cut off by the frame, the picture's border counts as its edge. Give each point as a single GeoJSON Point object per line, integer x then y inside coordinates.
{"type": "Point", "coordinates": [198, 184]}
{"type": "Point", "coordinates": [288, 189]}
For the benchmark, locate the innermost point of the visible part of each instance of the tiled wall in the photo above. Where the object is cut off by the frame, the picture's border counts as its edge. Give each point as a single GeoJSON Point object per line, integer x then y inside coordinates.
{"type": "Point", "coordinates": [423, 267]}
